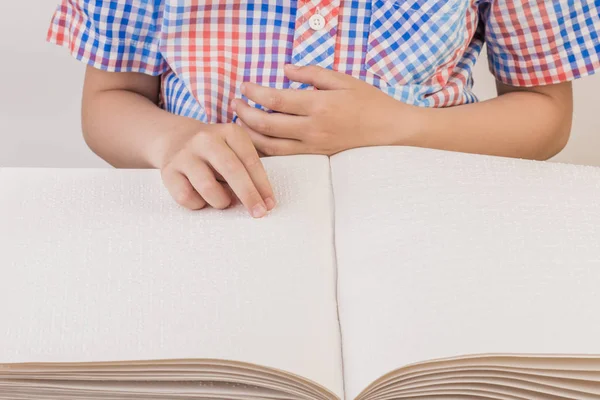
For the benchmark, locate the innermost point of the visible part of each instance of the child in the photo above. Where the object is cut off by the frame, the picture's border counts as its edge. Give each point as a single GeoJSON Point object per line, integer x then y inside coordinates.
{"type": "Point", "coordinates": [195, 88]}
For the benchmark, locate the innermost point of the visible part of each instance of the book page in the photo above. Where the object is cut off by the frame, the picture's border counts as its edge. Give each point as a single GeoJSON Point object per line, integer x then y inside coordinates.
{"type": "Point", "coordinates": [102, 265]}
{"type": "Point", "coordinates": [446, 254]}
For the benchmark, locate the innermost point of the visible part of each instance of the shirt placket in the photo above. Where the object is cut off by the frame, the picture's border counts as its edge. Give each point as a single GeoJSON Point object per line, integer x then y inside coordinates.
{"type": "Point", "coordinates": [315, 35]}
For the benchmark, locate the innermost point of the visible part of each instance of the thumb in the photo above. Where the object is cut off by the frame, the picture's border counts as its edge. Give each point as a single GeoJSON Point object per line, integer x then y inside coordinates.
{"type": "Point", "coordinates": [319, 77]}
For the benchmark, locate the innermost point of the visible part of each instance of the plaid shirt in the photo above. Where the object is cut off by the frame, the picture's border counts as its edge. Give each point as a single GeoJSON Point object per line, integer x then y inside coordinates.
{"type": "Point", "coordinates": [421, 52]}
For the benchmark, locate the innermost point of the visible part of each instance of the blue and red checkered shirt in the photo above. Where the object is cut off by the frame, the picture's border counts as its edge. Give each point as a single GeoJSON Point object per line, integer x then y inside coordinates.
{"type": "Point", "coordinates": [421, 52]}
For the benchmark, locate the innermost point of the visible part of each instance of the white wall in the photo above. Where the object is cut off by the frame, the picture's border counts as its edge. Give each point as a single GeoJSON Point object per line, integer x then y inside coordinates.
{"type": "Point", "coordinates": [40, 91]}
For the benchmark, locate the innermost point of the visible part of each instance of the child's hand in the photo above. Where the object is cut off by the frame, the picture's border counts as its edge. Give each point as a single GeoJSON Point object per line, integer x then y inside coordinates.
{"type": "Point", "coordinates": [344, 113]}
{"type": "Point", "coordinates": [194, 164]}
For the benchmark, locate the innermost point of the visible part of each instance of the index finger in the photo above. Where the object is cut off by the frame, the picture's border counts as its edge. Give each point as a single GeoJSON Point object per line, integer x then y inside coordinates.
{"type": "Point", "coordinates": [242, 146]}
{"type": "Point", "coordinates": [223, 159]}
{"type": "Point", "coordinates": [288, 101]}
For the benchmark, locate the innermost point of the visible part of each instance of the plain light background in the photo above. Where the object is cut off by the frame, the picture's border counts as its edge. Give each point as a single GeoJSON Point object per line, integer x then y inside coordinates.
{"type": "Point", "coordinates": [40, 94]}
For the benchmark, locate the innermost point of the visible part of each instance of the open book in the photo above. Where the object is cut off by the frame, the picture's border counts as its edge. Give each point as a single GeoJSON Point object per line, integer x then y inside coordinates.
{"type": "Point", "coordinates": [384, 273]}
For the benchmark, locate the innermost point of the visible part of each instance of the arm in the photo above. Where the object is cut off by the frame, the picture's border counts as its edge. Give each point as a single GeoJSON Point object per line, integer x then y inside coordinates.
{"type": "Point", "coordinates": [347, 113]}
{"type": "Point", "coordinates": [532, 123]}
{"type": "Point", "coordinates": [123, 124]}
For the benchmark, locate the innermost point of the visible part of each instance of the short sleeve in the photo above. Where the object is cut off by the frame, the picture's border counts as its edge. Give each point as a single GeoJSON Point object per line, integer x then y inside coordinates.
{"type": "Point", "coordinates": [535, 42]}
{"type": "Point", "coordinates": [112, 35]}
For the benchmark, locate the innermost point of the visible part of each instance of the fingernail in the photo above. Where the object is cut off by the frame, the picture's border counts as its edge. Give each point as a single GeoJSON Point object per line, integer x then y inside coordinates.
{"type": "Point", "coordinates": [243, 88]}
{"type": "Point", "coordinates": [259, 211]}
{"type": "Point", "coordinates": [238, 121]}
{"type": "Point", "coordinates": [270, 202]}
{"type": "Point", "coordinates": [292, 66]}
{"type": "Point", "coordinates": [234, 106]}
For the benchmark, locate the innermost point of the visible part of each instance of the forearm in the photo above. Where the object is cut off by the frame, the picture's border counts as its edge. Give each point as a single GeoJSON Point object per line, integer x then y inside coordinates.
{"type": "Point", "coordinates": [519, 124]}
{"type": "Point", "coordinates": [129, 131]}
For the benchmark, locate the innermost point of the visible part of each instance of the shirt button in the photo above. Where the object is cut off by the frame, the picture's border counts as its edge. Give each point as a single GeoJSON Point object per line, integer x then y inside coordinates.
{"type": "Point", "coordinates": [316, 22]}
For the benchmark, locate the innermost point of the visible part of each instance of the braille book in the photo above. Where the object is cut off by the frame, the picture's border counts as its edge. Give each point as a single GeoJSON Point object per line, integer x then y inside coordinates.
{"type": "Point", "coordinates": [384, 273]}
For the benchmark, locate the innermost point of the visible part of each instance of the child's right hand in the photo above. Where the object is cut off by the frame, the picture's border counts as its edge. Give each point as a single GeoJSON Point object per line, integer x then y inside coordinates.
{"type": "Point", "coordinates": [197, 168]}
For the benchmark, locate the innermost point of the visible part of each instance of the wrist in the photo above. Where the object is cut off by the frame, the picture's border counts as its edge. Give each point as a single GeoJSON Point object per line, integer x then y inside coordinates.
{"type": "Point", "coordinates": [170, 141]}
{"type": "Point", "coordinates": [405, 125]}
{"type": "Point", "coordinates": [419, 120]}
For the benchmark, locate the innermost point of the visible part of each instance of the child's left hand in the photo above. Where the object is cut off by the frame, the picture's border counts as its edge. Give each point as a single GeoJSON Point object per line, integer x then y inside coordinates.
{"type": "Point", "coordinates": [343, 113]}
